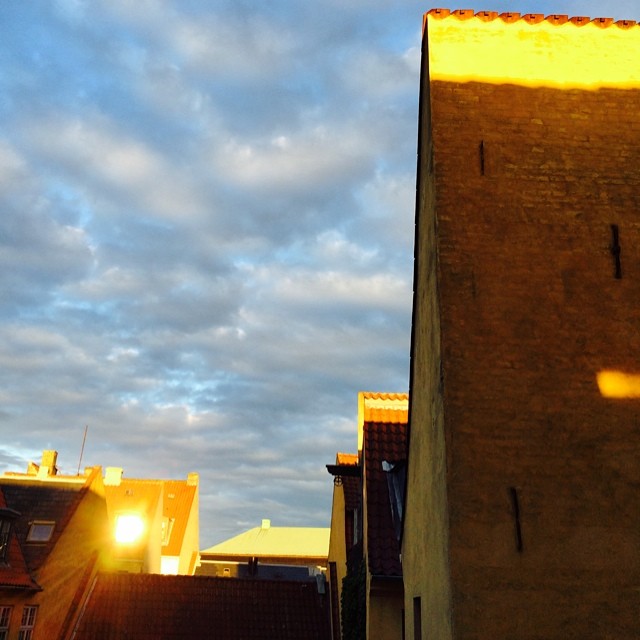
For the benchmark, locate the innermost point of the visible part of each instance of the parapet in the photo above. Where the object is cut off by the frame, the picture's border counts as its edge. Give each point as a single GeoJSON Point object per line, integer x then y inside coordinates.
{"type": "Point", "coordinates": [532, 49]}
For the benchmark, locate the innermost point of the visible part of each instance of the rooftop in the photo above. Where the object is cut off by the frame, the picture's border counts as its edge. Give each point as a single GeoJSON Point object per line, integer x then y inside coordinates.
{"type": "Point", "coordinates": [173, 607]}
{"type": "Point", "coordinates": [46, 502]}
{"type": "Point", "coordinates": [384, 445]}
{"type": "Point", "coordinates": [275, 542]}
{"type": "Point", "coordinates": [532, 49]}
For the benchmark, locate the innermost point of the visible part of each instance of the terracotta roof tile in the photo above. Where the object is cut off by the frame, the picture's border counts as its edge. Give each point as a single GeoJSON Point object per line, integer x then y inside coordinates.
{"type": "Point", "coordinates": [346, 458]}
{"type": "Point", "coordinates": [531, 18]}
{"type": "Point", "coordinates": [134, 495]}
{"type": "Point", "coordinates": [352, 488]}
{"type": "Point", "coordinates": [146, 606]}
{"type": "Point", "coordinates": [178, 497]}
{"type": "Point", "coordinates": [383, 441]}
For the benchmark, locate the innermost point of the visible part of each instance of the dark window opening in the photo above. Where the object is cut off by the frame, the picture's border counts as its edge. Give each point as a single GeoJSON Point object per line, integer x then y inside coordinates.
{"type": "Point", "coordinates": [417, 618]}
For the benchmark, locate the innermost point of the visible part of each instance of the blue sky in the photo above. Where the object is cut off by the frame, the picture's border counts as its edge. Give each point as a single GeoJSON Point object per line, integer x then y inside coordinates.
{"type": "Point", "coordinates": [206, 236]}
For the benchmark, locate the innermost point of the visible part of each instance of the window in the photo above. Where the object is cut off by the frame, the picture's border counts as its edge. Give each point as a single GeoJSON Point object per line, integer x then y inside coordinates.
{"type": "Point", "coordinates": [396, 478]}
{"type": "Point", "coordinates": [5, 532]}
{"type": "Point", "coordinates": [417, 618]}
{"type": "Point", "coordinates": [5, 619]}
{"type": "Point", "coordinates": [167, 528]}
{"type": "Point", "coordinates": [40, 531]}
{"type": "Point", "coordinates": [28, 622]}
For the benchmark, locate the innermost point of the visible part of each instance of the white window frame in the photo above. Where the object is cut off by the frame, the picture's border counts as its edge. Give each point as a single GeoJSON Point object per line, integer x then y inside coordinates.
{"type": "Point", "coordinates": [37, 528]}
{"type": "Point", "coordinates": [5, 621]}
{"type": "Point", "coordinates": [29, 615]}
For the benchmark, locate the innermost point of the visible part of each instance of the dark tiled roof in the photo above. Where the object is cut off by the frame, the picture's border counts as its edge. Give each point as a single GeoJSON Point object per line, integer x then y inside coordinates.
{"type": "Point", "coordinates": [47, 501]}
{"type": "Point", "coordinates": [352, 493]}
{"type": "Point", "coordinates": [146, 606]}
{"type": "Point", "coordinates": [382, 441]}
{"type": "Point", "coordinates": [14, 573]}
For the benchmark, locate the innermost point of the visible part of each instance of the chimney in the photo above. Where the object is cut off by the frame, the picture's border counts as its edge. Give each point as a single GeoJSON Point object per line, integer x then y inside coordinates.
{"type": "Point", "coordinates": [48, 465]}
{"type": "Point", "coordinates": [266, 524]}
{"type": "Point", "coordinates": [193, 479]}
{"type": "Point", "coordinates": [113, 476]}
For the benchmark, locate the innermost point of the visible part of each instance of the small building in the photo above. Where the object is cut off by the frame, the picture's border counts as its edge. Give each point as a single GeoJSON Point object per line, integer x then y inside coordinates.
{"type": "Point", "coordinates": [365, 571]}
{"type": "Point", "coordinates": [292, 553]}
{"type": "Point", "coordinates": [345, 543]}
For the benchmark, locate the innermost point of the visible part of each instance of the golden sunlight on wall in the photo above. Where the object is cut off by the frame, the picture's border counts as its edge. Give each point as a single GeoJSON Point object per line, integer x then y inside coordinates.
{"type": "Point", "coordinates": [586, 54]}
{"type": "Point", "coordinates": [616, 384]}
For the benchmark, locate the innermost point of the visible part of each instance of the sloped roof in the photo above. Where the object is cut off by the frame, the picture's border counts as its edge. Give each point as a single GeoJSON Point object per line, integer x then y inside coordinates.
{"type": "Point", "coordinates": [14, 574]}
{"type": "Point", "coordinates": [530, 18]}
{"type": "Point", "coordinates": [383, 441]}
{"type": "Point", "coordinates": [47, 501]}
{"type": "Point", "coordinates": [146, 606]}
{"type": "Point", "coordinates": [346, 458]}
{"type": "Point", "coordinates": [351, 482]}
{"type": "Point", "coordinates": [381, 407]}
{"type": "Point", "coordinates": [177, 502]}
{"type": "Point", "coordinates": [275, 542]}
{"type": "Point", "coordinates": [133, 495]}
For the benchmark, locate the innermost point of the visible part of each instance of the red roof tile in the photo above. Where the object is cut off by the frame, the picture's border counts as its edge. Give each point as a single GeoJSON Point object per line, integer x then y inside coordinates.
{"type": "Point", "coordinates": [177, 503]}
{"type": "Point", "coordinates": [383, 441]}
{"type": "Point", "coordinates": [531, 18]}
{"type": "Point", "coordinates": [146, 606]}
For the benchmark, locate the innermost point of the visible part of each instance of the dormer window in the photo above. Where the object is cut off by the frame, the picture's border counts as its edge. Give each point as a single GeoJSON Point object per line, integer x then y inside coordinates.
{"type": "Point", "coordinates": [167, 528]}
{"type": "Point", "coordinates": [7, 517]}
{"type": "Point", "coordinates": [40, 531]}
{"type": "Point", "coordinates": [396, 480]}
{"type": "Point", "coordinates": [5, 533]}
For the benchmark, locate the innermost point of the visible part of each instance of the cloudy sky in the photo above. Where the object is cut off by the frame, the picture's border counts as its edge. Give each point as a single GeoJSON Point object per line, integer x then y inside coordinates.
{"type": "Point", "coordinates": [206, 236]}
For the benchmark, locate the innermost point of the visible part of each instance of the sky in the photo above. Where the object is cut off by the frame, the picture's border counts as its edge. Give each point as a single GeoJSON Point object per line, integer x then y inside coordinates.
{"type": "Point", "coordinates": [206, 237]}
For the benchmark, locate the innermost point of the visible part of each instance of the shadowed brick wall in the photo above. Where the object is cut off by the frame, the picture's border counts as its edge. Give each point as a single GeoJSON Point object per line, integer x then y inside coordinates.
{"type": "Point", "coordinates": [522, 508]}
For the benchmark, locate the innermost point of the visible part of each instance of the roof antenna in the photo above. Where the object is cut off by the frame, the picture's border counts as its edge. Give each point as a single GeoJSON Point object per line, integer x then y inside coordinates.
{"type": "Point", "coordinates": [84, 439]}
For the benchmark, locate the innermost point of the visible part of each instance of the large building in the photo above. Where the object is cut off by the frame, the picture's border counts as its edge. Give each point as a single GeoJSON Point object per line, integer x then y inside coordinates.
{"type": "Point", "coordinates": [522, 516]}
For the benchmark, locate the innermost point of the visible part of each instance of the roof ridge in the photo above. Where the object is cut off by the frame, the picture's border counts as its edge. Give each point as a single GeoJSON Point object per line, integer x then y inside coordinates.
{"type": "Point", "coordinates": [530, 18]}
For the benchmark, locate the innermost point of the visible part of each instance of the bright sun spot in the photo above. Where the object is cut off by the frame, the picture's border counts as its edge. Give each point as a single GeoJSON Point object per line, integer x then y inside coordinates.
{"type": "Point", "coordinates": [129, 528]}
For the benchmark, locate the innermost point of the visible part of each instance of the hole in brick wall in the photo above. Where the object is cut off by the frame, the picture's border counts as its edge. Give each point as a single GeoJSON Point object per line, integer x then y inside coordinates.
{"type": "Point", "coordinates": [515, 503]}
{"type": "Point", "coordinates": [481, 157]}
{"type": "Point", "coordinates": [616, 250]}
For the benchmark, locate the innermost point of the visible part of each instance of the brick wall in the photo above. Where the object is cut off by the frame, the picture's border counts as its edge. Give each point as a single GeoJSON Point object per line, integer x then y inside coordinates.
{"type": "Point", "coordinates": [541, 532]}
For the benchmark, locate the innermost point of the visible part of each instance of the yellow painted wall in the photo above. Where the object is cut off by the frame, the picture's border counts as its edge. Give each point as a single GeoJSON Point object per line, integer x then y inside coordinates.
{"type": "Point", "coordinates": [384, 609]}
{"type": "Point", "coordinates": [425, 537]}
{"type": "Point", "coordinates": [337, 546]}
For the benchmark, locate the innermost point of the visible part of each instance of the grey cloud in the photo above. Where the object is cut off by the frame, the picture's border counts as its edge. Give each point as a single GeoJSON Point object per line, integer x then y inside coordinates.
{"type": "Point", "coordinates": [206, 238]}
